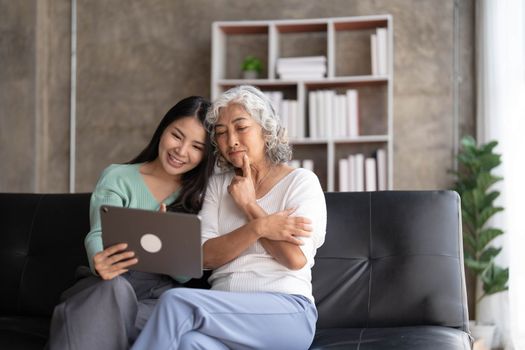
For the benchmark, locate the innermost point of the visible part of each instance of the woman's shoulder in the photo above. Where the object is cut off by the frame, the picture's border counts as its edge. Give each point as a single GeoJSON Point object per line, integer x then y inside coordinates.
{"type": "Point", "coordinates": [303, 174]}
{"type": "Point", "coordinates": [115, 172]}
{"type": "Point", "coordinates": [303, 178]}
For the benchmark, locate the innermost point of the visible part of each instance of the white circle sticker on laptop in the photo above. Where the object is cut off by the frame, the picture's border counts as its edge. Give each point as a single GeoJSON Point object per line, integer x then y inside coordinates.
{"type": "Point", "coordinates": [150, 243]}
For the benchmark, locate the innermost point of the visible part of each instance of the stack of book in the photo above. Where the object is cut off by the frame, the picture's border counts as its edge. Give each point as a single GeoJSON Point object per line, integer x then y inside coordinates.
{"type": "Point", "coordinates": [287, 110]}
{"type": "Point", "coordinates": [300, 68]}
{"type": "Point", "coordinates": [360, 173]}
{"type": "Point", "coordinates": [305, 163]}
{"type": "Point", "coordinates": [333, 115]}
{"type": "Point", "coordinates": [379, 51]}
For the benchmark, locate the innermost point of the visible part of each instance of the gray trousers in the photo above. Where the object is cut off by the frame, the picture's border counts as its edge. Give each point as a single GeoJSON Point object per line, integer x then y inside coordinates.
{"type": "Point", "coordinates": [106, 315]}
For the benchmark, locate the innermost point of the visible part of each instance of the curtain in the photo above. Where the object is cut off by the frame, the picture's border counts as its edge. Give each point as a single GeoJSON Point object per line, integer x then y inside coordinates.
{"type": "Point", "coordinates": [500, 61]}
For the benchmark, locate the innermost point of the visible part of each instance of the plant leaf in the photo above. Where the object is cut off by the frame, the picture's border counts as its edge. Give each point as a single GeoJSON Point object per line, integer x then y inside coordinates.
{"type": "Point", "coordinates": [494, 279]}
{"type": "Point", "coordinates": [486, 214]}
{"type": "Point", "coordinates": [478, 267]}
{"type": "Point", "coordinates": [489, 254]}
{"type": "Point", "coordinates": [486, 236]}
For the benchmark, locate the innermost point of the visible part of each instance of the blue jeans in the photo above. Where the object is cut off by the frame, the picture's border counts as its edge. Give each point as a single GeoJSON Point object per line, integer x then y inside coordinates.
{"type": "Point", "coordinates": [208, 319]}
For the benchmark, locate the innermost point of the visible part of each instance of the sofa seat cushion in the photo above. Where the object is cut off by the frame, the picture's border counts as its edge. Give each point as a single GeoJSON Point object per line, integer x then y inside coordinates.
{"type": "Point", "coordinates": [23, 332]}
{"type": "Point", "coordinates": [402, 338]}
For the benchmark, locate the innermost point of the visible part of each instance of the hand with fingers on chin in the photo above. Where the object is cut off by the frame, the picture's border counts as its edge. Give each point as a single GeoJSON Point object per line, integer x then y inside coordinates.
{"type": "Point", "coordinates": [282, 226]}
{"type": "Point", "coordinates": [241, 187]}
{"type": "Point", "coordinates": [113, 261]}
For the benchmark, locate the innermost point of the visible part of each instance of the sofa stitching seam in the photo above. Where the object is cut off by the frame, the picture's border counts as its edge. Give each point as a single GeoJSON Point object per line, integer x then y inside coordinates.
{"type": "Point", "coordinates": [19, 301]}
{"type": "Point", "coordinates": [369, 256]}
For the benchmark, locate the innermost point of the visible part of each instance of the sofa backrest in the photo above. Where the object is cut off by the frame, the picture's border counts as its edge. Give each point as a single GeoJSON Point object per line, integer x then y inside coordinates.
{"type": "Point", "coordinates": [391, 258]}
{"type": "Point", "coordinates": [41, 245]}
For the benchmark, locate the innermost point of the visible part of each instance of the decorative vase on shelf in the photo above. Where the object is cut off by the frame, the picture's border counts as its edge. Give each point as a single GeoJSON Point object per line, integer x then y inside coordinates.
{"type": "Point", "coordinates": [250, 74]}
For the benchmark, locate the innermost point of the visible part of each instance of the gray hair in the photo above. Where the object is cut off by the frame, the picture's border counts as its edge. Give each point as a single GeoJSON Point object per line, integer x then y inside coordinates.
{"type": "Point", "coordinates": [259, 107]}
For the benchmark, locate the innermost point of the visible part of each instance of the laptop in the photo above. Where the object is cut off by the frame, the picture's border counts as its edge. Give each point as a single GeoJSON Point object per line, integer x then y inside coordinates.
{"type": "Point", "coordinates": [167, 243]}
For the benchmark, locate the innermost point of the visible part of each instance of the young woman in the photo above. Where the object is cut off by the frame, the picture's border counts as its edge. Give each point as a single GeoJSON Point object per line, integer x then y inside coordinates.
{"type": "Point", "coordinates": [262, 224]}
{"type": "Point", "coordinates": [173, 171]}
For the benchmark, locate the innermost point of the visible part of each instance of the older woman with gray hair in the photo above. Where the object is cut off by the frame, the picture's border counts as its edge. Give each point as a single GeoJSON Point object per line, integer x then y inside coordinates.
{"type": "Point", "coordinates": [262, 224]}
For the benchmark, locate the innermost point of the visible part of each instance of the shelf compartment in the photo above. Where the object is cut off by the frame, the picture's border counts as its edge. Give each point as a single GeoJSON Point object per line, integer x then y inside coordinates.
{"type": "Point", "coordinates": [367, 149]}
{"type": "Point", "coordinates": [352, 49]}
{"type": "Point", "coordinates": [317, 153]}
{"type": "Point", "coordinates": [300, 39]}
{"type": "Point", "coordinates": [237, 42]}
{"type": "Point", "coordinates": [372, 104]}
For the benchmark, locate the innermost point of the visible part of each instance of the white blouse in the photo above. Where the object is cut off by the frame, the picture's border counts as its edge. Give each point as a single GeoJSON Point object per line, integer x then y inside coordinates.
{"type": "Point", "coordinates": [255, 270]}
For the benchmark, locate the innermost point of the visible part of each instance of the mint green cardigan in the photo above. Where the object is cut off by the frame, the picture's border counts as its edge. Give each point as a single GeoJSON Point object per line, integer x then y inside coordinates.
{"type": "Point", "coordinates": [119, 185]}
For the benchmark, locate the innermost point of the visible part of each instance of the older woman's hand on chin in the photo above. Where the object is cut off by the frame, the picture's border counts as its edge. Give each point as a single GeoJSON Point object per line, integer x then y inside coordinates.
{"type": "Point", "coordinates": [242, 188]}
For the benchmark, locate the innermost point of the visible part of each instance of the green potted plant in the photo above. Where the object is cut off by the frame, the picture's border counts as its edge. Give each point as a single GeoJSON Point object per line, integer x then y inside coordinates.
{"type": "Point", "coordinates": [251, 67]}
{"type": "Point", "coordinates": [474, 182]}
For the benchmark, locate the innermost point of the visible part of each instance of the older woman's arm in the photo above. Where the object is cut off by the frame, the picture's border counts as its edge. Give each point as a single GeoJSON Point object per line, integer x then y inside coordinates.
{"type": "Point", "coordinates": [277, 228]}
{"type": "Point", "coordinates": [221, 249]}
{"type": "Point", "coordinates": [286, 253]}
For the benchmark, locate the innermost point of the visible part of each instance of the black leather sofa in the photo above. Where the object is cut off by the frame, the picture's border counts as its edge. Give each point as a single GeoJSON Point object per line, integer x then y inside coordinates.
{"type": "Point", "coordinates": [389, 276]}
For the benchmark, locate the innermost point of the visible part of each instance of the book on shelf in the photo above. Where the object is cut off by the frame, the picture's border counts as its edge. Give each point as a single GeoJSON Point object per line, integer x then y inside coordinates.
{"type": "Point", "coordinates": [344, 175]}
{"type": "Point", "coordinates": [328, 112]}
{"type": "Point", "coordinates": [352, 100]}
{"type": "Point", "coordinates": [288, 112]}
{"type": "Point", "coordinates": [295, 163]}
{"type": "Point", "coordinates": [373, 53]}
{"type": "Point", "coordinates": [308, 164]}
{"type": "Point", "coordinates": [312, 115]}
{"type": "Point", "coordinates": [332, 114]}
{"type": "Point", "coordinates": [354, 172]}
{"type": "Point", "coordinates": [275, 98]}
{"type": "Point", "coordinates": [381, 170]}
{"type": "Point", "coordinates": [358, 172]}
{"type": "Point", "coordinates": [305, 163]}
{"type": "Point", "coordinates": [310, 67]}
{"type": "Point", "coordinates": [341, 116]}
{"type": "Point", "coordinates": [301, 76]}
{"type": "Point", "coordinates": [306, 60]}
{"type": "Point", "coordinates": [352, 183]}
{"type": "Point", "coordinates": [379, 51]}
{"type": "Point", "coordinates": [370, 174]}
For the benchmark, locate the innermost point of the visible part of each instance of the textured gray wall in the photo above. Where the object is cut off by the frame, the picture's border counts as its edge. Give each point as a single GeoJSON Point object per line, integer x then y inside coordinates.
{"type": "Point", "coordinates": [17, 95]}
{"type": "Point", "coordinates": [137, 58]}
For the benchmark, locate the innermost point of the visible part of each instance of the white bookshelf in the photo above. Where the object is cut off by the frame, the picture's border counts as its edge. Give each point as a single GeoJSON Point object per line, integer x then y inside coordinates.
{"type": "Point", "coordinates": [345, 42]}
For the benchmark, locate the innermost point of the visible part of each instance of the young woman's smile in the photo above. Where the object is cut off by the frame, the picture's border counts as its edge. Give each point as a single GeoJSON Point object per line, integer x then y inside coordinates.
{"type": "Point", "coordinates": [181, 146]}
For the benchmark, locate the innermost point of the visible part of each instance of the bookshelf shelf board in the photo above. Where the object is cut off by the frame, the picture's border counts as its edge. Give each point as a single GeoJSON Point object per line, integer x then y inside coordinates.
{"type": "Point", "coordinates": [243, 28]}
{"type": "Point", "coordinates": [228, 83]}
{"type": "Point", "coordinates": [362, 139]}
{"type": "Point", "coordinates": [360, 80]}
{"type": "Point", "coordinates": [360, 24]}
{"type": "Point", "coordinates": [309, 141]}
{"type": "Point", "coordinates": [309, 83]}
{"type": "Point", "coordinates": [284, 27]}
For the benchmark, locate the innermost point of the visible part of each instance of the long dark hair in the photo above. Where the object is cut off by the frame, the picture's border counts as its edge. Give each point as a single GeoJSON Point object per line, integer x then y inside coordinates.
{"type": "Point", "coordinates": [193, 182]}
